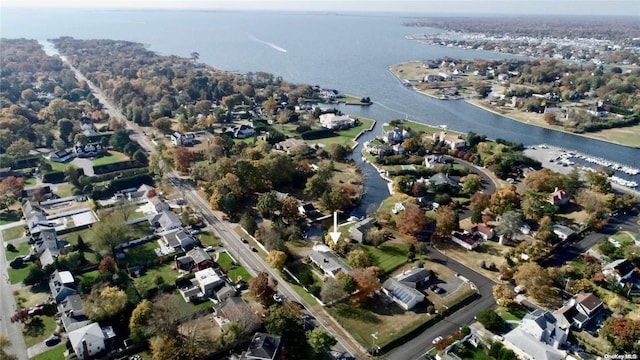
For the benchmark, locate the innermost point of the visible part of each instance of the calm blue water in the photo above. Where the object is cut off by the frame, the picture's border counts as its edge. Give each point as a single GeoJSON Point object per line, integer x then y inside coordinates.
{"type": "Point", "coordinates": [347, 52]}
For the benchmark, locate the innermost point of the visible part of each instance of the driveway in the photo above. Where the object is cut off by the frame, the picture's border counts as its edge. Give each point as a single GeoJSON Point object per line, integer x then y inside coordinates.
{"type": "Point", "coordinates": [85, 164]}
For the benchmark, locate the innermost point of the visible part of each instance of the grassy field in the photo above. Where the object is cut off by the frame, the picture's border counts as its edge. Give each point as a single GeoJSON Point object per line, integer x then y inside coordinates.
{"type": "Point", "coordinates": [147, 281]}
{"type": "Point", "coordinates": [29, 296]}
{"type": "Point", "coordinates": [64, 190]}
{"type": "Point", "coordinates": [22, 249]}
{"type": "Point", "coordinates": [388, 256]}
{"type": "Point", "coordinates": [17, 275]}
{"type": "Point", "coordinates": [57, 166]}
{"type": "Point", "coordinates": [513, 312]}
{"type": "Point", "coordinates": [13, 233]}
{"type": "Point", "coordinates": [419, 127]}
{"type": "Point", "coordinates": [362, 321]}
{"type": "Point", "coordinates": [141, 254]}
{"type": "Point", "coordinates": [208, 239]}
{"type": "Point", "coordinates": [109, 158]}
{"type": "Point", "coordinates": [36, 334]}
{"type": "Point", "coordinates": [624, 238]}
{"type": "Point", "coordinates": [55, 353]}
{"type": "Point", "coordinates": [233, 271]}
{"type": "Point", "coordinates": [30, 181]}
{"type": "Point", "coordinates": [9, 216]}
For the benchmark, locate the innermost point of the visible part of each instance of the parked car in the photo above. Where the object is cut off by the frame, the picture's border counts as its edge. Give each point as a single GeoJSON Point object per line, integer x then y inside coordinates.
{"type": "Point", "coordinates": [52, 340]}
{"type": "Point", "coordinates": [209, 249]}
{"type": "Point", "coordinates": [244, 240]}
{"type": "Point", "coordinates": [437, 289]}
{"type": "Point", "coordinates": [277, 298]}
{"type": "Point", "coordinates": [254, 249]}
{"type": "Point", "coordinates": [437, 340]}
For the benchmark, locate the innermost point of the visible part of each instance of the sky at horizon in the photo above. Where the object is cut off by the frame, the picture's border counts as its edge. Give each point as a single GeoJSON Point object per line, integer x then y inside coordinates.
{"type": "Point", "coordinates": [516, 7]}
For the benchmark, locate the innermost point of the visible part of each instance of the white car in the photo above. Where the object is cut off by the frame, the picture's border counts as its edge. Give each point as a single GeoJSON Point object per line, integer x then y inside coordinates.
{"type": "Point", "coordinates": [437, 340]}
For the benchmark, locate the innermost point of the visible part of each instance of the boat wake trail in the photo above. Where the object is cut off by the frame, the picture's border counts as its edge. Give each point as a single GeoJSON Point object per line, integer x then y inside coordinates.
{"type": "Point", "coordinates": [406, 116]}
{"type": "Point", "coordinates": [271, 45]}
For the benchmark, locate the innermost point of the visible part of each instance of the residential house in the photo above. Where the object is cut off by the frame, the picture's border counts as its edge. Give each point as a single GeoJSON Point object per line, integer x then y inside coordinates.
{"type": "Point", "coordinates": [47, 239]}
{"type": "Point", "coordinates": [360, 229]}
{"type": "Point", "coordinates": [243, 131]}
{"type": "Point", "coordinates": [464, 240]}
{"type": "Point", "coordinates": [292, 145]}
{"type": "Point", "coordinates": [403, 289]}
{"type": "Point", "coordinates": [48, 257]}
{"type": "Point", "coordinates": [235, 309]}
{"type": "Point", "coordinates": [226, 291]}
{"type": "Point", "coordinates": [327, 261]}
{"type": "Point", "coordinates": [621, 271]}
{"type": "Point", "coordinates": [61, 156]}
{"type": "Point", "coordinates": [158, 204]}
{"type": "Point", "coordinates": [90, 341]}
{"type": "Point", "coordinates": [560, 114]}
{"type": "Point", "coordinates": [307, 209]}
{"type": "Point", "coordinates": [430, 161]}
{"type": "Point", "coordinates": [179, 239]}
{"type": "Point", "coordinates": [72, 313]}
{"type": "Point", "coordinates": [195, 258]}
{"type": "Point", "coordinates": [452, 141]}
{"type": "Point", "coordinates": [563, 232]}
{"type": "Point", "coordinates": [263, 346]}
{"type": "Point", "coordinates": [88, 150]}
{"type": "Point", "coordinates": [183, 139]}
{"type": "Point", "coordinates": [165, 220]}
{"type": "Point", "coordinates": [537, 337]}
{"type": "Point", "coordinates": [442, 179]}
{"type": "Point", "coordinates": [559, 198]}
{"type": "Point", "coordinates": [62, 284]}
{"type": "Point", "coordinates": [204, 285]}
{"type": "Point", "coordinates": [398, 149]}
{"type": "Point", "coordinates": [333, 121]}
{"type": "Point", "coordinates": [381, 150]}
{"type": "Point", "coordinates": [329, 95]}
{"type": "Point", "coordinates": [578, 311]}
{"type": "Point", "coordinates": [87, 127]}
{"type": "Point", "coordinates": [482, 230]}
{"type": "Point", "coordinates": [7, 172]}
{"type": "Point", "coordinates": [397, 135]}
{"type": "Point", "coordinates": [44, 191]}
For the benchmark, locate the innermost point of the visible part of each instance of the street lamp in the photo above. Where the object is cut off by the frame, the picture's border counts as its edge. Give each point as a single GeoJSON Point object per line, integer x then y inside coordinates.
{"type": "Point", "coordinates": [374, 346]}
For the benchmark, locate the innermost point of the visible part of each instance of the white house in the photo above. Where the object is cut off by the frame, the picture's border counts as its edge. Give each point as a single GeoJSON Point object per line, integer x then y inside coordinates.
{"type": "Point", "coordinates": [90, 340]}
{"type": "Point", "coordinates": [165, 220]}
{"type": "Point", "coordinates": [61, 156]}
{"type": "Point", "coordinates": [333, 121]}
{"type": "Point", "coordinates": [184, 139]}
{"type": "Point", "coordinates": [465, 241]}
{"type": "Point", "coordinates": [481, 230]}
{"type": "Point", "coordinates": [537, 337]}
{"type": "Point", "coordinates": [563, 232]}
{"type": "Point", "coordinates": [327, 261]}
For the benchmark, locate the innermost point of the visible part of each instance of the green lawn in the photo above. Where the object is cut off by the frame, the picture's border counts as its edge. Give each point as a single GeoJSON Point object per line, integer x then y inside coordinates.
{"type": "Point", "coordinates": [17, 275]}
{"type": "Point", "coordinates": [22, 249]}
{"type": "Point", "coordinates": [110, 157]}
{"type": "Point", "coordinates": [345, 137]}
{"type": "Point", "coordinates": [140, 255]}
{"type": "Point", "coordinates": [233, 271]}
{"type": "Point", "coordinates": [513, 312]}
{"type": "Point", "coordinates": [57, 166]}
{"type": "Point", "coordinates": [30, 181]}
{"type": "Point", "coordinates": [36, 333]}
{"type": "Point", "coordinates": [55, 353]}
{"type": "Point", "coordinates": [415, 126]}
{"type": "Point", "coordinates": [208, 239]}
{"type": "Point", "coordinates": [9, 216]}
{"type": "Point", "coordinates": [13, 233]}
{"type": "Point", "coordinates": [147, 281]}
{"type": "Point", "coordinates": [388, 256]}
{"type": "Point", "coordinates": [64, 190]}
{"type": "Point", "coordinates": [624, 238]}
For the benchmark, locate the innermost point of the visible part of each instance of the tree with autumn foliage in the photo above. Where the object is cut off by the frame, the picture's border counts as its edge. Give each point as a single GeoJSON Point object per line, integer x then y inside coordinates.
{"type": "Point", "coordinates": [262, 288]}
{"type": "Point", "coordinates": [104, 302]}
{"type": "Point", "coordinates": [479, 201]}
{"type": "Point", "coordinates": [412, 220]}
{"type": "Point", "coordinates": [503, 294]}
{"type": "Point", "coordinates": [182, 158]}
{"type": "Point", "coordinates": [277, 259]}
{"type": "Point", "coordinates": [107, 265]}
{"type": "Point", "coordinates": [504, 199]}
{"type": "Point", "coordinates": [367, 282]}
{"type": "Point", "coordinates": [446, 220]}
{"type": "Point", "coordinates": [537, 282]}
{"type": "Point", "coordinates": [622, 333]}
{"type": "Point", "coordinates": [10, 189]}
{"type": "Point", "coordinates": [544, 180]}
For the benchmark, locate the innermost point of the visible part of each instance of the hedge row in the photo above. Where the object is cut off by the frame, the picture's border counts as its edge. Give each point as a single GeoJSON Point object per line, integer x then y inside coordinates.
{"type": "Point", "coordinates": [122, 165]}
{"type": "Point", "coordinates": [318, 134]}
{"type": "Point", "coordinates": [120, 184]}
{"type": "Point", "coordinates": [122, 174]}
{"type": "Point", "coordinates": [56, 177]}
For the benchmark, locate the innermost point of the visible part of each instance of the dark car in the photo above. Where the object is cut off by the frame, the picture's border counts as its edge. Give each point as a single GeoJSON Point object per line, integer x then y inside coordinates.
{"type": "Point", "coordinates": [244, 240]}
{"type": "Point", "coordinates": [254, 249]}
{"type": "Point", "coordinates": [52, 340]}
{"type": "Point", "coordinates": [437, 289]}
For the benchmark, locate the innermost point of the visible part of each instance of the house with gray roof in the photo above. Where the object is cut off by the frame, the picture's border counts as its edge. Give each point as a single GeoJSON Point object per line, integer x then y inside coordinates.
{"type": "Point", "coordinates": [235, 309]}
{"type": "Point", "coordinates": [263, 346]}
{"type": "Point", "coordinates": [179, 239]}
{"type": "Point", "coordinates": [327, 261]}
{"type": "Point", "coordinates": [166, 220]}
{"type": "Point", "coordinates": [621, 271]}
{"type": "Point", "coordinates": [538, 336]}
{"type": "Point", "coordinates": [360, 229]}
{"type": "Point", "coordinates": [62, 285]}
{"type": "Point", "coordinates": [416, 278]}
{"type": "Point", "coordinates": [402, 294]}
{"type": "Point", "coordinates": [91, 340]}
{"type": "Point", "coordinates": [442, 179]}
{"type": "Point", "coordinates": [72, 313]}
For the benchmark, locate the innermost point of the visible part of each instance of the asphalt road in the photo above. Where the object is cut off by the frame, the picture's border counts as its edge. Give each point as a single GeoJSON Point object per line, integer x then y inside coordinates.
{"type": "Point", "coordinates": [7, 308]}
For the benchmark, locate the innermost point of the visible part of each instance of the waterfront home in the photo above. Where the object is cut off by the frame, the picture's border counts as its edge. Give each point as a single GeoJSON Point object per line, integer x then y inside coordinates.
{"type": "Point", "coordinates": [291, 146]}
{"type": "Point", "coordinates": [360, 229]}
{"type": "Point", "coordinates": [327, 261]}
{"type": "Point", "coordinates": [397, 135]}
{"type": "Point", "coordinates": [333, 121]}
{"type": "Point", "coordinates": [452, 141]}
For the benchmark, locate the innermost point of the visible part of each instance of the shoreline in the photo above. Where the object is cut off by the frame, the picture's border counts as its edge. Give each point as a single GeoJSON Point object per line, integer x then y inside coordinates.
{"type": "Point", "coordinates": [493, 111]}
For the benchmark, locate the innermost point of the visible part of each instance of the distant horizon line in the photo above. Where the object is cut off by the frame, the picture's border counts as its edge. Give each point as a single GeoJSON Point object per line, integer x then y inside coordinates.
{"type": "Point", "coordinates": [321, 11]}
